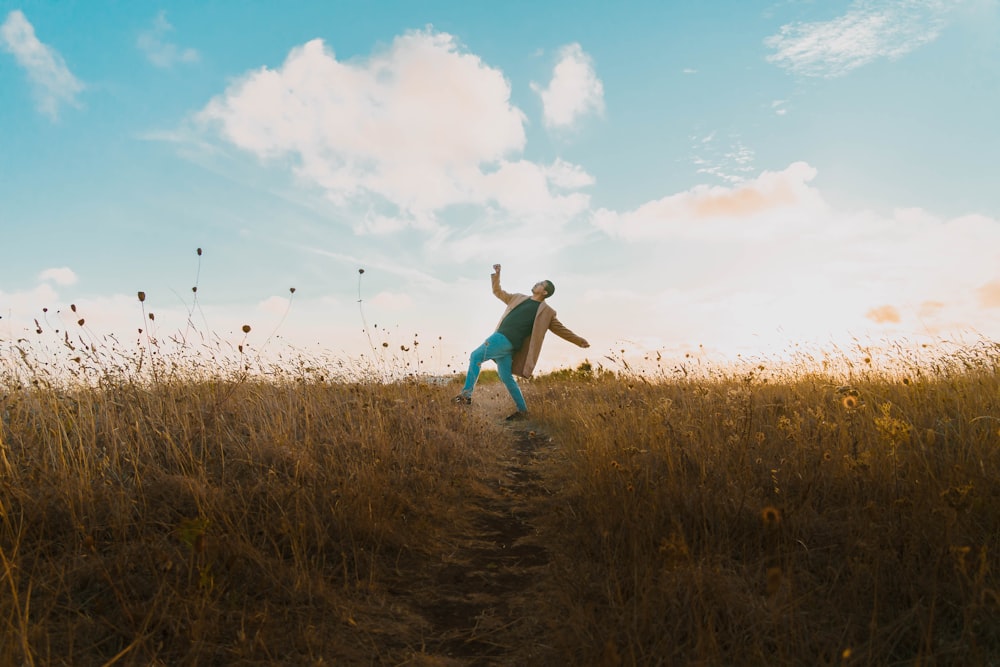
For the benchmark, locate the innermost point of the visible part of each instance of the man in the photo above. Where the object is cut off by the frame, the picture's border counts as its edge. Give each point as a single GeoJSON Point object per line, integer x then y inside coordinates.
{"type": "Point", "coordinates": [515, 344]}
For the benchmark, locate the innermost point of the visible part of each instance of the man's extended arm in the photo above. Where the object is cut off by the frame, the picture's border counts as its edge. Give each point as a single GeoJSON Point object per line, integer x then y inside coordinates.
{"type": "Point", "coordinates": [561, 330]}
{"type": "Point", "coordinates": [497, 291]}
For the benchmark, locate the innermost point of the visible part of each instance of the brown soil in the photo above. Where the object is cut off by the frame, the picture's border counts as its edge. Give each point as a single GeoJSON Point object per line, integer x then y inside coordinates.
{"type": "Point", "coordinates": [480, 603]}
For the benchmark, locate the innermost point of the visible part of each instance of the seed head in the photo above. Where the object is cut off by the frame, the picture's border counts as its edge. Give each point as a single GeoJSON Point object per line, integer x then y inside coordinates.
{"type": "Point", "coordinates": [142, 297]}
{"type": "Point", "coordinates": [80, 321]}
{"type": "Point", "coordinates": [771, 516]}
{"type": "Point", "coordinates": [291, 290]}
{"type": "Point", "coordinates": [151, 317]}
{"type": "Point", "coordinates": [360, 271]}
{"type": "Point", "coordinates": [246, 328]}
{"type": "Point", "coordinates": [72, 307]}
{"type": "Point", "coordinates": [195, 289]}
{"type": "Point", "coordinates": [199, 252]}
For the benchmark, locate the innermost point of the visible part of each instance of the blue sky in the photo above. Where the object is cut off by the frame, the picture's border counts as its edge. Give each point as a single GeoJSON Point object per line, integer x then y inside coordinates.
{"type": "Point", "coordinates": [712, 177]}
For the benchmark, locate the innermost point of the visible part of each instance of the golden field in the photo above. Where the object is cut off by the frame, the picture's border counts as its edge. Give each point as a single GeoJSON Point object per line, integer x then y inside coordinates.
{"type": "Point", "coordinates": [159, 511]}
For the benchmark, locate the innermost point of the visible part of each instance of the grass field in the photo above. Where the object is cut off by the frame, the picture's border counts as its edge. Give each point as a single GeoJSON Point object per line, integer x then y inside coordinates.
{"type": "Point", "coordinates": [169, 512]}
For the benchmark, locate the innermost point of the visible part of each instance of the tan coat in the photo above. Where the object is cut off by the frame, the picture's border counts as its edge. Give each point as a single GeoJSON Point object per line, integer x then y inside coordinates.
{"type": "Point", "coordinates": [545, 320]}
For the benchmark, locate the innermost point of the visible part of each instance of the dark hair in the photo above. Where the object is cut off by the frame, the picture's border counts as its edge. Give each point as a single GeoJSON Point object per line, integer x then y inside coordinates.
{"type": "Point", "coordinates": [550, 289]}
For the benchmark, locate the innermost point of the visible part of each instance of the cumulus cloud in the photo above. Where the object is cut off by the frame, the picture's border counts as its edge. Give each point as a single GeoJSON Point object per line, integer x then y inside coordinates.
{"type": "Point", "coordinates": [723, 212]}
{"type": "Point", "coordinates": [771, 259]}
{"type": "Point", "coordinates": [60, 276]}
{"type": "Point", "coordinates": [573, 91]}
{"type": "Point", "coordinates": [870, 30]}
{"type": "Point", "coordinates": [51, 80]}
{"type": "Point", "coordinates": [161, 51]}
{"type": "Point", "coordinates": [416, 128]}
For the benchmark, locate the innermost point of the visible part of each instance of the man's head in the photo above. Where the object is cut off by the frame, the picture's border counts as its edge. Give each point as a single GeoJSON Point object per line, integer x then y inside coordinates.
{"type": "Point", "coordinates": [543, 289]}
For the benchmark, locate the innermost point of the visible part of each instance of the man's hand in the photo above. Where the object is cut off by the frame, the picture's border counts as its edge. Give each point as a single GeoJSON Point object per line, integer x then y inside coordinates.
{"type": "Point", "coordinates": [584, 344]}
{"type": "Point", "coordinates": [496, 269]}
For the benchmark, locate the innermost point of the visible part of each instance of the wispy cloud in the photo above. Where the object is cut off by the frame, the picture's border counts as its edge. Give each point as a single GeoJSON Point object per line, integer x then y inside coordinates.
{"type": "Point", "coordinates": [573, 91]}
{"type": "Point", "coordinates": [731, 161]}
{"type": "Point", "coordinates": [989, 294]}
{"type": "Point", "coordinates": [886, 314]}
{"type": "Point", "coordinates": [870, 30]}
{"type": "Point", "coordinates": [161, 52]}
{"type": "Point", "coordinates": [52, 82]}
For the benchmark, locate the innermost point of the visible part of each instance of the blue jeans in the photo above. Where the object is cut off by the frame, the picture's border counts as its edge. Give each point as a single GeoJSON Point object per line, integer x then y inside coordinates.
{"type": "Point", "coordinates": [498, 349]}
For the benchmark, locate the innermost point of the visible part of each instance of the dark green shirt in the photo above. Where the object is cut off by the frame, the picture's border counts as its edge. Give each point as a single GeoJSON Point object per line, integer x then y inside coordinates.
{"type": "Point", "coordinates": [519, 322]}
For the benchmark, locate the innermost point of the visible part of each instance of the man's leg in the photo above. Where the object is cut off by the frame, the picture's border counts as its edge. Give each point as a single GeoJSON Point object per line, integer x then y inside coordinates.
{"type": "Point", "coordinates": [476, 360]}
{"type": "Point", "coordinates": [504, 365]}
{"type": "Point", "coordinates": [494, 346]}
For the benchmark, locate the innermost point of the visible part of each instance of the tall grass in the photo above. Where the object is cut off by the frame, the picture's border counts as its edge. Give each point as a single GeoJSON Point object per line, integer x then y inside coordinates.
{"type": "Point", "coordinates": [206, 507]}
{"type": "Point", "coordinates": [200, 516]}
{"type": "Point", "coordinates": [778, 516]}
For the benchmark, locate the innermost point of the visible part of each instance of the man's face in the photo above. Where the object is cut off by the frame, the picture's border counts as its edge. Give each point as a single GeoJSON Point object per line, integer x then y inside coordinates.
{"type": "Point", "coordinates": [539, 289]}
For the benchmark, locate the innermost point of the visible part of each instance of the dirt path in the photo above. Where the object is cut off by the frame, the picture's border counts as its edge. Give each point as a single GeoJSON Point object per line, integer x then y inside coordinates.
{"type": "Point", "coordinates": [485, 609]}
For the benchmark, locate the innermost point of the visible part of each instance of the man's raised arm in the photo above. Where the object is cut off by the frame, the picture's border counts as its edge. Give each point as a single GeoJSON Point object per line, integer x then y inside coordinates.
{"type": "Point", "coordinates": [497, 291]}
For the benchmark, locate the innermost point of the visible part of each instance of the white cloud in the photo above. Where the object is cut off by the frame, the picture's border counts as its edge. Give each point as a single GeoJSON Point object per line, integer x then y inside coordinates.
{"type": "Point", "coordinates": [768, 202]}
{"type": "Point", "coordinates": [52, 82]}
{"type": "Point", "coordinates": [566, 175]}
{"type": "Point", "coordinates": [60, 276]}
{"type": "Point", "coordinates": [29, 302]}
{"type": "Point", "coordinates": [419, 127]}
{"type": "Point", "coordinates": [871, 29]}
{"type": "Point", "coordinates": [523, 188]}
{"type": "Point", "coordinates": [770, 263]}
{"type": "Point", "coordinates": [573, 91]}
{"type": "Point", "coordinates": [160, 51]}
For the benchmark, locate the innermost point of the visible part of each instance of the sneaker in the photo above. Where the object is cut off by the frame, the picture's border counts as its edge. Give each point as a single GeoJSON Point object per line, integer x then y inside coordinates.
{"type": "Point", "coordinates": [462, 399]}
{"type": "Point", "coordinates": [518, 416]}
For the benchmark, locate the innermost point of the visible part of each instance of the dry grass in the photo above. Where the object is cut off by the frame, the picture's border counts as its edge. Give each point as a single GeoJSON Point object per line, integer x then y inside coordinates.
{"type": "Point", "coordinates": [191, 518]}
{"type": "Point", "coordinates": [200, 511]}
{"type": "Point", "coordinates": [778, 517]}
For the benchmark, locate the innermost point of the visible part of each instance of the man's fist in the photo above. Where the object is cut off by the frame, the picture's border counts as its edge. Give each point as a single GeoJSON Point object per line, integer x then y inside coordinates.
{"type": "Point", "coordinates": [496, 268]}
